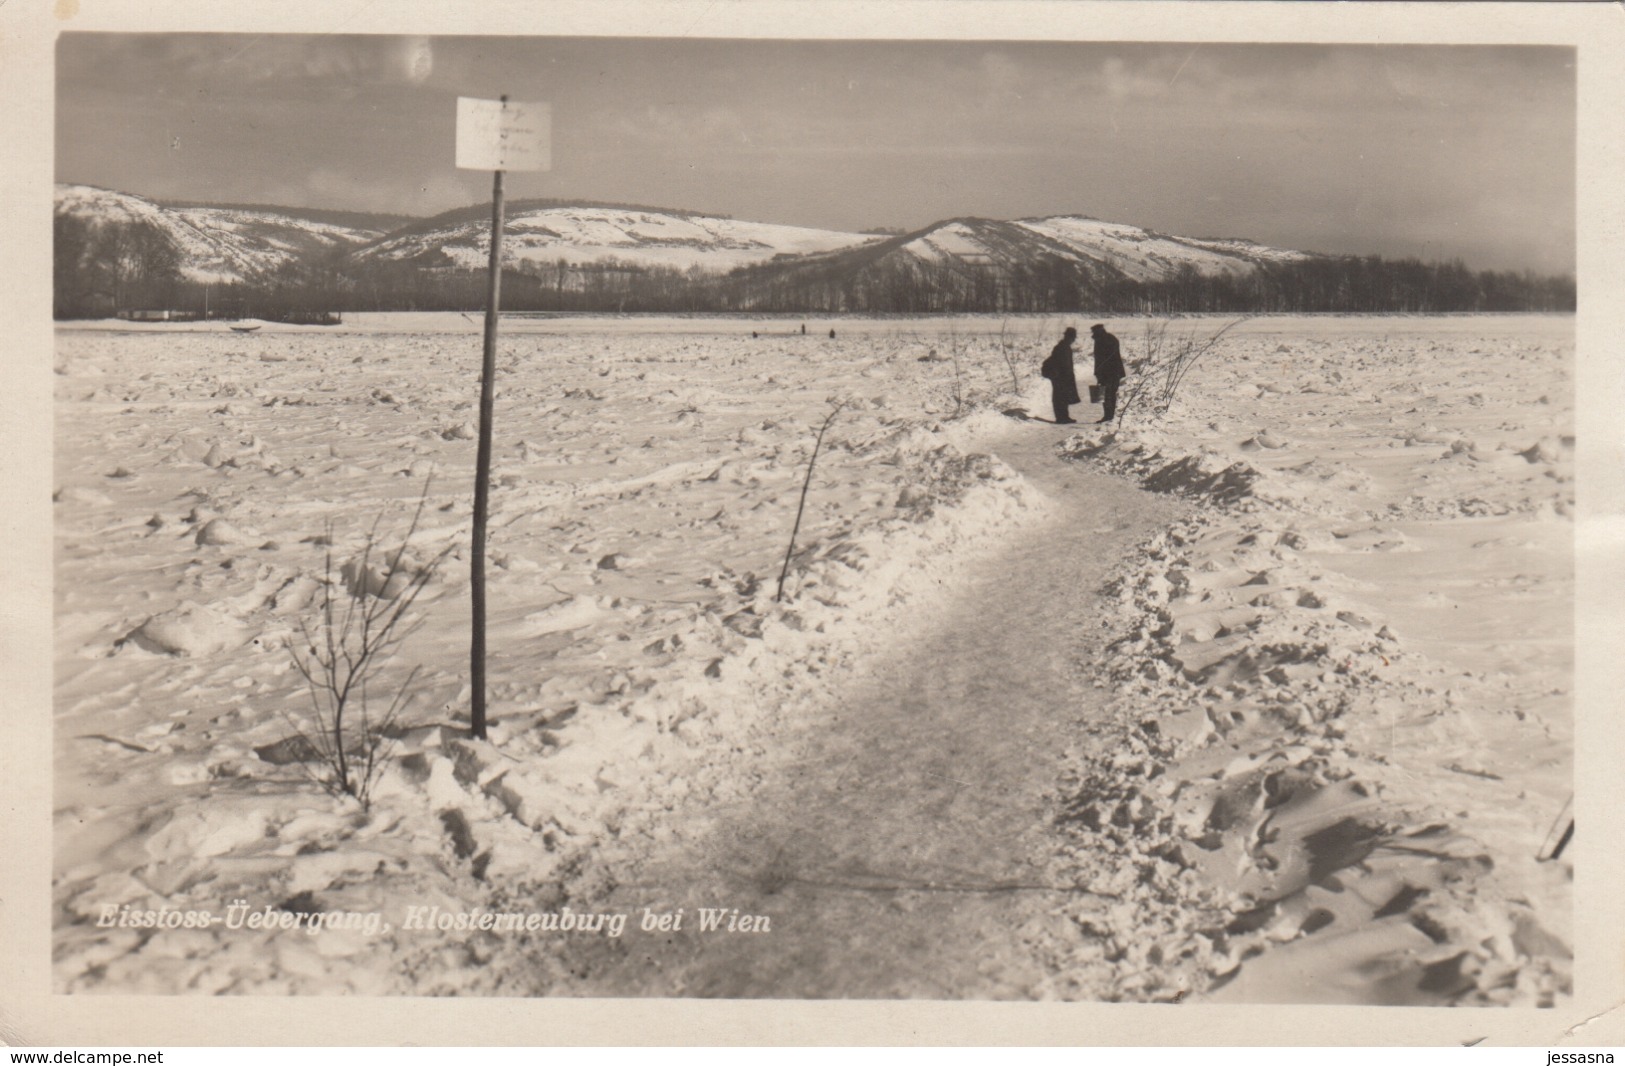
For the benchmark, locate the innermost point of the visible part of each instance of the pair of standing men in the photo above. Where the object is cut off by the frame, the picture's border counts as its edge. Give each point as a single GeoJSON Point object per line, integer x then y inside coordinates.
{"type": "Point", "coordinates": [1063, 381]}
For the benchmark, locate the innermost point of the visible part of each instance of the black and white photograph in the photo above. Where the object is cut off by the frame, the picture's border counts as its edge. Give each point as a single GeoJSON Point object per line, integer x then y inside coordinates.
{"type": "Point", "coordinates": [1036, 515]}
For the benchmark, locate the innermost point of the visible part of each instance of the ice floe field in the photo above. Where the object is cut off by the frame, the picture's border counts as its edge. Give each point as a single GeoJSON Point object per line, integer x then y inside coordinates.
{"type": "Point", "coordinates": [1346, 687]}
{"type": "Point", "coordinates": [1334, 731]}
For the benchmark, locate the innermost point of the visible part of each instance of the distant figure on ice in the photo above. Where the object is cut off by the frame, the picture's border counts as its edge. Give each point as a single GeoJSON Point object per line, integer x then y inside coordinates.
{"type": "Point", "coordinates": [831, 334]}
{"type": "Point", "coordinates": [1109, 372]}
{"type": "Point", "coordinates": [1063, 379]}
{"type": "Point", "coordinates": [804, 329]}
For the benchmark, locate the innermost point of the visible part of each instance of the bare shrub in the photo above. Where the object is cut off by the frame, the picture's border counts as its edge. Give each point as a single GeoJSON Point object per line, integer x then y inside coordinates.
{"type": "Point", "coordinates": [363, 616]}
{"type": "Point", "coordinates": [1155, 377]}
{"type": "Point", "coordinates": [1005, 349]}
{"type": "Point", "coordinates": [802, 506]}
{"type": "Point", "coordinates": [959, 375]}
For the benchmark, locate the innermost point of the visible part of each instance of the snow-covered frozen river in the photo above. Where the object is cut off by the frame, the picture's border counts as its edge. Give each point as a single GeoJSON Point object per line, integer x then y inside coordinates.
{"type": "Point", "coordinates": [1411, 476]}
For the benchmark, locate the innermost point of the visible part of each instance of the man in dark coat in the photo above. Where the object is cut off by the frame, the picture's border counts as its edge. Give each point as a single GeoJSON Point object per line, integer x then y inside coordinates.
{"type": "Point", "coordinates": [1063, 379]}
{"type": "Point", "coordinates": [1109, 372]}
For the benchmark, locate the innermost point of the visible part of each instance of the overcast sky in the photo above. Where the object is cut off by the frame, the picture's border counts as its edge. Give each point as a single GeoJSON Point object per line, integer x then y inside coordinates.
{"type": "Point", "coordinates": [1433, 151]}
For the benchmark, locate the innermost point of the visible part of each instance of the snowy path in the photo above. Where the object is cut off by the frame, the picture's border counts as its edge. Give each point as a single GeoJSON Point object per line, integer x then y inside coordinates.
{"type": "Point", "coordinates": [898, 838]}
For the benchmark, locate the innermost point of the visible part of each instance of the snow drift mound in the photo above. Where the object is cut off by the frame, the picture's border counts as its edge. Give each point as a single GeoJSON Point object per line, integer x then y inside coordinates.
{"type": "Point", "coordinates": [610, 775]}
{"type": "Point", "coordinates": [1341, 720]}
{"type": "Point", "coordinates": [1275, 855]}
{"type": "Point", "coordinates": [574, 765]}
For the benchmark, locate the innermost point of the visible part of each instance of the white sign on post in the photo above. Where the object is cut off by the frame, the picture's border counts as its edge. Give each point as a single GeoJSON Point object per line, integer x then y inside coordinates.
{"type": "Point", "coordinates": [503, 135]}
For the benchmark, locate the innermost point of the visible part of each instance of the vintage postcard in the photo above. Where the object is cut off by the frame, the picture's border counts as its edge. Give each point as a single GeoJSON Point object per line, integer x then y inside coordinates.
{"type": "Point", "coordinates": [1066, 522]}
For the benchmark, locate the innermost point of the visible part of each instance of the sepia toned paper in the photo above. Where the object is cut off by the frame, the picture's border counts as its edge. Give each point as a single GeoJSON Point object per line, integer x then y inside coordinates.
{"type": "Point", "coordinates": [34, 1010]}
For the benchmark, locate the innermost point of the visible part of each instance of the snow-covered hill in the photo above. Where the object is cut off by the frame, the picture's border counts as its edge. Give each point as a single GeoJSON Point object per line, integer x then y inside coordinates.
{"type": "Point", "coordinates": [217, 243]}
{"type": "Point", "coordinates": [1114, 248]}
{"type": "Point", "coordinates": [537, 234]}
{"type": "Point", "coordinates": [229, 243]}
{"type": "Point", "coordinates": [543, 235]}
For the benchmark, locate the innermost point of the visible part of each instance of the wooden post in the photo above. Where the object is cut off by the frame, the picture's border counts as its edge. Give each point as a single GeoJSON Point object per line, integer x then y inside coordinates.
{"type": "Point", "coordinates": [482, 468]}
{"type": "Point", "coordinates": [494, 136]}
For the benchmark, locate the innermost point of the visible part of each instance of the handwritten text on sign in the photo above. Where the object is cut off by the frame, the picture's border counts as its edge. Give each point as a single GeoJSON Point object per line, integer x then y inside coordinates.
{"type": "Point", "coordinates": [498, 135]}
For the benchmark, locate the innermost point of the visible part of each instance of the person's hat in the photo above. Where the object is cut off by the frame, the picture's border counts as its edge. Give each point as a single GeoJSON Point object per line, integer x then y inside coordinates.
{"type": "Point", "coordinates": [1097, 328]}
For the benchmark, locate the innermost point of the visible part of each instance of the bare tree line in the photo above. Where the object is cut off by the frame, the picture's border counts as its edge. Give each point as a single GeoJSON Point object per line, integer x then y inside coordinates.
{"type": "Point", "coordinates": [102, 270]}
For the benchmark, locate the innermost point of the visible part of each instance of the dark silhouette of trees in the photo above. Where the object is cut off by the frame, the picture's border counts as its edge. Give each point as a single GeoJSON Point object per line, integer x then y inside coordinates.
{"type": "Point", "coordinates": [73, 288]}
{"type": "Point", "coordinates": [104, 269]}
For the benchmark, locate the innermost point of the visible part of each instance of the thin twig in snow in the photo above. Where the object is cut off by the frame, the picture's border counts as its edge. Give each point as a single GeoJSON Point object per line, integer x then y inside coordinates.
{"type": "Point", "coordinates": [802, 506]}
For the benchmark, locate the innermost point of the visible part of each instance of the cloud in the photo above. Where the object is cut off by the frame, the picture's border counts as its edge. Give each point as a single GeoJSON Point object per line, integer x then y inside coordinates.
{"type": "Point", "coordinates": [698, 127]}
{"type": "Point", "coordinates": [277, 58]}
{"type": "Point", "coordinates": [1003, 76]}
{"type": "Point", "coordinates": [424, 194]}
{"type": "Point", "coordinates": [1122, 81]}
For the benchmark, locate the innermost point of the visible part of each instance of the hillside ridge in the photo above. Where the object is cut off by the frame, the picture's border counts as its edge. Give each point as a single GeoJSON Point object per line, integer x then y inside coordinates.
{"type": "Point", "coordinates": [237, 242]}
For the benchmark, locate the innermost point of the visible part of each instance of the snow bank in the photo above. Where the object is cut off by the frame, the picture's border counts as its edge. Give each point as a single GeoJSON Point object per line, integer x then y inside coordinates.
{"type": "Point", "coordinates": [644, 489]}
{"type": "Point", "coordinates": [1343, 704]}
